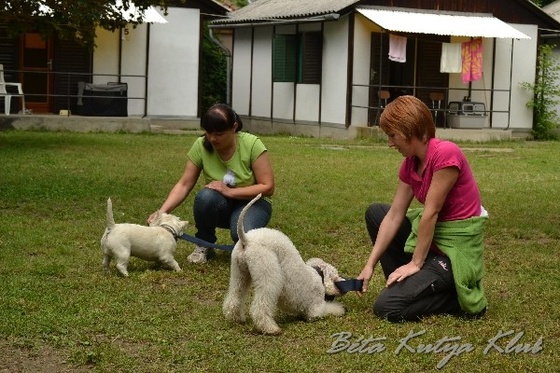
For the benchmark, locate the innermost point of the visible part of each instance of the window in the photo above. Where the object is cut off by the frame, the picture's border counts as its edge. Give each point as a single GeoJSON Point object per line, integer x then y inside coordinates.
{"type": "Point", "coordinates": [297, 58]}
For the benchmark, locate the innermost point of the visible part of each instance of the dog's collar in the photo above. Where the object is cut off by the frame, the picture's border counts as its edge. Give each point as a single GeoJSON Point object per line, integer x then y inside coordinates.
{"type": "Point", "coordinates": [328, 298]}
{"type": "Point", "coordinates": [170, 229]}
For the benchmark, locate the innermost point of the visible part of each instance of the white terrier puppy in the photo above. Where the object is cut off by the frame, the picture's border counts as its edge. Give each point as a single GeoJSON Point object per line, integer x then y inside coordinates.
{"type": "Point", "coordinates": [156, 243]}
{"type": "Point", "coordinates": [282, 280]}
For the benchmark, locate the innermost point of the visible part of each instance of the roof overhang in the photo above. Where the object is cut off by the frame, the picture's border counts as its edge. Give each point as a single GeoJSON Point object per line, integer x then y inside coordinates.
{"type": "Point", "coordinates": [441, 23]}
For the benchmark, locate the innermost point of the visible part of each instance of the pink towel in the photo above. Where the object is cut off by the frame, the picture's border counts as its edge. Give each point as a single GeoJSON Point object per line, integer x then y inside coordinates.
{"type": "Point", "coordinates": [471, 54]}
{"type": "Point", "coordinates": [397, 48]}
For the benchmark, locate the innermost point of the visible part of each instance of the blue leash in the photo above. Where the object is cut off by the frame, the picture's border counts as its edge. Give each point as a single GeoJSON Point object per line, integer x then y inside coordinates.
{"type": "Point", "coordinates": [203, 243]}
{"type": "Point", "coordinates": [344, 286]}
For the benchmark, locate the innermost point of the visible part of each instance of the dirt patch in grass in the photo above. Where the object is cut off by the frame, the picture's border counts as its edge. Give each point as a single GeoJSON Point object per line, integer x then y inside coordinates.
{"type": "Point", "coordinates": [44, 360]}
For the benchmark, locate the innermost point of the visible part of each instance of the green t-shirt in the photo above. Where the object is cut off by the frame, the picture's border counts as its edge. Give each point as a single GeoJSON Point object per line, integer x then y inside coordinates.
{"type": "Point", "coordinates": [237, 171]}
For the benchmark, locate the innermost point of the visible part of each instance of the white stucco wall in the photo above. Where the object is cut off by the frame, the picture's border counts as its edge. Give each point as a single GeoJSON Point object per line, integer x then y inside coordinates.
{"type": "Point", "coordinates": [106, 56]}
{"type": "Point", "coordinates": [283, 100]}
{"type": "Point", "coordinates": [262, 73]}
{"type": "Point", "coordinates": [171, 67]}
{"type": "Point", "coordinates": [133, 67]}
{"type": "Point", "coordinates": [174, 64]}
{"type": "Point", "coordinates": [335, 71]}
{"type": "Point", "coordinates": [307, 102]}
{"type": "Point", "coordinates": [241, 71]}
{"type": "Point", "coordinates": [556, 42]}
{"type": "Point", "coordinates": [524, 70]}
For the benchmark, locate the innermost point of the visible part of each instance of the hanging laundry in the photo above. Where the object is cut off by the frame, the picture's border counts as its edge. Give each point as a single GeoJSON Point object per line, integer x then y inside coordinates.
{"type": "Point", "coordinates": [476, 59]}
{"type": "Point", "coordinates": [451, 61]}
{"type": "Point", "coordinates": [471, 54]}
{"type": "Point", "coordinates": [397, 48]}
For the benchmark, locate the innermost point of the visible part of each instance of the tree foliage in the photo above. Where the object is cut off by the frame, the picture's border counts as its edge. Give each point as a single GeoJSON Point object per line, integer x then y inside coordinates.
{"type": "Point", "coordinates": [72, 19]}
{"type": "Point", "coordinates": [213, 73]}
{"type": "Point", "coordinates": [542, 3]}
{"type": "Point", "coordinates": [546, 93]}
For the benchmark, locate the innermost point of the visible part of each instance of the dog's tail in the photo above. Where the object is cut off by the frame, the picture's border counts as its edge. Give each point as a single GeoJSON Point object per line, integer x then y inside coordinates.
{"type": "Point", "coordinates": [240, 225]}
{"type": "Point", "coordinates": [110, 220]}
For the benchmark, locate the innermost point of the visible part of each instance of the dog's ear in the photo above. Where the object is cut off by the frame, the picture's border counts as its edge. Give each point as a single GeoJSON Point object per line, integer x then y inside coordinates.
{"type": "Point", "coordinates": [331, 276]}
{"type": "Point", "coordinates": [316, 262]}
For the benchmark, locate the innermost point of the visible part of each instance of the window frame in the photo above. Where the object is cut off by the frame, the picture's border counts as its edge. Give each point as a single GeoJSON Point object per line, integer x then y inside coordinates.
{"type": "Point", "coordinates": [297, 58]}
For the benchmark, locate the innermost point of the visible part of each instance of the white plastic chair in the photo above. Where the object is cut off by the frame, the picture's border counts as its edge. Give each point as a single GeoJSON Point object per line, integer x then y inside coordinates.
{"type": "Point", "coordinates": [8, 95]}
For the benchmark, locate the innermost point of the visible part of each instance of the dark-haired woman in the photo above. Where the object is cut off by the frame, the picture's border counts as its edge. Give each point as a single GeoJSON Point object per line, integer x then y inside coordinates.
{"type": "Point", "coordinates": [236, 168]}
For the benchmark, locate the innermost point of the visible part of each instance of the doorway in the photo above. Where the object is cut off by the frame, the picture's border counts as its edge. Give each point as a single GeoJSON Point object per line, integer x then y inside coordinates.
{"type": "Point", "coordinates": [36, 65]}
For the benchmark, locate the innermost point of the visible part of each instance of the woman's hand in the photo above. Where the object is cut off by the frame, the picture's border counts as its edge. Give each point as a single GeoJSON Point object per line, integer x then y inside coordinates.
{"type": "Point", "coordinates": [365, 275]}
{"type": "Point", "coordinates": [220, 187]}
{"type": "Point", "coordinates": [152, 217]}
{"type": "Point", "coordinates": [401, 273]}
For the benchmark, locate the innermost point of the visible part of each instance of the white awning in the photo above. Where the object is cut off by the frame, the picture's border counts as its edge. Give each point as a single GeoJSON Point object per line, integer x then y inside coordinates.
{"type": "Point", "coordinates": [441, 23]}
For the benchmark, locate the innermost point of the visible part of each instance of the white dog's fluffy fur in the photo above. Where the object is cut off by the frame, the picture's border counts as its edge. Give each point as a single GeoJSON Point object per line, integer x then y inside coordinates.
{"type": "Point", "coordinates": [281, 279]}
{"type": "Point", "coordinates": [156, 243]}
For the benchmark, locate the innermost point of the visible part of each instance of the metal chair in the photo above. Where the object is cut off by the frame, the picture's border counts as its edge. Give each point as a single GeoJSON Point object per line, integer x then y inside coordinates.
{"type": "Point", "coordinates": [384, 97]}
{"type": "Point", "coordinates": [437, 99]}
{"type": "Point", "coordinates": [8, 95]}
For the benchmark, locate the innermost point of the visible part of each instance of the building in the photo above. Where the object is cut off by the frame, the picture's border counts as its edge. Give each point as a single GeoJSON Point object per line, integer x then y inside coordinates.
{"type": "Point", "coordinates": [318, 68]}
{"type": "Point", "coordinates": [158, 64]}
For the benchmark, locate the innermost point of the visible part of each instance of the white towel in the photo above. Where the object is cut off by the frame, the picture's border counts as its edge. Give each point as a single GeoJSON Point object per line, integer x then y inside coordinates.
{"type": "Point", "coordinates": [397, 48]}
{"type": "Point", "coordinates": [450, 58]}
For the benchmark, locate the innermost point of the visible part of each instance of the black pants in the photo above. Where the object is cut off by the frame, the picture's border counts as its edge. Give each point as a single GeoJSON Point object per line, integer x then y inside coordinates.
{"type": "Point", "coordinates": [427, 292]}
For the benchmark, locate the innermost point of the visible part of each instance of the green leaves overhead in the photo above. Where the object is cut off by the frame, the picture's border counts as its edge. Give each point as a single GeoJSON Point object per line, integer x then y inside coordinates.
{"type": "Point", "coordinates": [73, 19]}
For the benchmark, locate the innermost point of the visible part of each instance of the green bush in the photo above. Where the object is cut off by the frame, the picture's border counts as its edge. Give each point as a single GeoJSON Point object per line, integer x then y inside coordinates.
{"type": "Point", "coordinates": [213, 82]}
{"type": "Point", "coordinates": [546, 94]}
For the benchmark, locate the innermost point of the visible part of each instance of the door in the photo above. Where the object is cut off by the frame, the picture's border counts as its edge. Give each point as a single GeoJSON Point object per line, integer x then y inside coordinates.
{"type": "Point", "coordinates": [36, 76]}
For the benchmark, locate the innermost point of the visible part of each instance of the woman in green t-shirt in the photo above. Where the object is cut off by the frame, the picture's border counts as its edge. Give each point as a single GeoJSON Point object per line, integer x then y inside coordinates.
{"type": "Point", "coordinates": [236, 167]}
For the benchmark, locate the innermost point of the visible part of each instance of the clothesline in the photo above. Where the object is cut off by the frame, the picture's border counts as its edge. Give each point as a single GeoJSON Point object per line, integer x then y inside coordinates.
{"type": "Point", "coordinates": [459, 57]}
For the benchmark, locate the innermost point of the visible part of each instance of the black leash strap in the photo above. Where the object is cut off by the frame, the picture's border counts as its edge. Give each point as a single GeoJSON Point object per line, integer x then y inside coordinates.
{"type": "Point", "coordinates": [207, 244]}
{"type": "Point", "coordinates": [343, 286]}
{"type": "Point", "coordinates": [349, 285]}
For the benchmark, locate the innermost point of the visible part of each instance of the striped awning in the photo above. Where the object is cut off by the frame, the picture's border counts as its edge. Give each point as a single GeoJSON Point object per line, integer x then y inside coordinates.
{"type": "Point", "coordinates": [441, 23]}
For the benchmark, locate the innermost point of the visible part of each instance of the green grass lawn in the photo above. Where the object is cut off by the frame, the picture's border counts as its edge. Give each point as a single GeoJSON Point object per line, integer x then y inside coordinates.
{"type": "Point", "coordinates": [60, 313]}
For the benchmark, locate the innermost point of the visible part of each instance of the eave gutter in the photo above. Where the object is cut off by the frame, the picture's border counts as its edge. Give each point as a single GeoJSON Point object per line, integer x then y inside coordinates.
{"type": "Point", "coordinates": [276, 22]}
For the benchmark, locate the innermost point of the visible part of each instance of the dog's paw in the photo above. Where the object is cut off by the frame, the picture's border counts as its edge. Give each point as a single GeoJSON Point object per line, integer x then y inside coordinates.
{"type": "Point", "coordinates": [234, 313]}
{"type": "Point", "coordinates": [270, 330]}
{"type": "Point", "coordinates": [335, 308]}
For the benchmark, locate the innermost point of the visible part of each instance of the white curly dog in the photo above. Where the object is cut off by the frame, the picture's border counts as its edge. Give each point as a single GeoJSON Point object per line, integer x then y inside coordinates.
{"type": "Point", "coordinates": [281, 280]}
{"type": "Point", "coordinates": [156, 243]}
